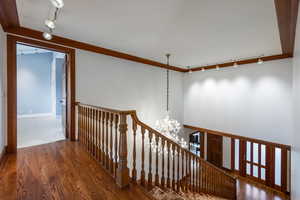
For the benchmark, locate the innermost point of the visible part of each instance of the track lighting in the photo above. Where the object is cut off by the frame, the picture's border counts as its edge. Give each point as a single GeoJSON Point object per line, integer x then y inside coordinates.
{"type": "Point", "coordinates": [260, 61]}
{"type": "Point", "coordinates": [57, 3]}
{"type": "Point", "coordinates": [47, 35]}
{"type": "Point", "coordinates": [50, 24]}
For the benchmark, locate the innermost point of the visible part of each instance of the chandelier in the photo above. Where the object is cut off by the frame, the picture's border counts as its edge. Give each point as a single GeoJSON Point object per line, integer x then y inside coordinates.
{"type": "Point", "coordinates": [167, 126]}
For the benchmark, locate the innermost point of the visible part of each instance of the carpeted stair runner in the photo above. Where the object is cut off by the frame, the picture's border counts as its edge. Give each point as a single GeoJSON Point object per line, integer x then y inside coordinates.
{"type": "Point", "coordinates": [159, 194]}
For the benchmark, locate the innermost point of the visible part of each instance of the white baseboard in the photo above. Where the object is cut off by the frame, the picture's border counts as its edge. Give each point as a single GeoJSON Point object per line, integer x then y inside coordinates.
{"type": "Point", "coordinates": [36, 115]}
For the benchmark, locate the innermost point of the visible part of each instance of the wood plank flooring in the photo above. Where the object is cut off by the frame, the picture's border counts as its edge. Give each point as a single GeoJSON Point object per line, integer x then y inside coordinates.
{"type": "Point", "coordinates": [60, 170]}
{"type": "Point", "coordinates": [63, 170]}
{"type": "Point", "coordinates": [251, 191]}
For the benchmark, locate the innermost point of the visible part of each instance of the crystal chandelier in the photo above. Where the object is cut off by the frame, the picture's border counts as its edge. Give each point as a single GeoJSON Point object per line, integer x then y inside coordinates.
{"type": "Point", "coordinates": [167, 126]}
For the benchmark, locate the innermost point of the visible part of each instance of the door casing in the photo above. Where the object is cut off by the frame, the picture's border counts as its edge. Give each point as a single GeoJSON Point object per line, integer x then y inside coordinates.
{"type": "Point", "coordinates": [12, 42]}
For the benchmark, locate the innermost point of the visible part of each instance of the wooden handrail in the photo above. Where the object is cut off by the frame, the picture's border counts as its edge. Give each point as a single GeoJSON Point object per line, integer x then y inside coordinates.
{"type": "Point", "coordinates": [126, 112]}
{"type": "Point", "coordinates": [220, 133]}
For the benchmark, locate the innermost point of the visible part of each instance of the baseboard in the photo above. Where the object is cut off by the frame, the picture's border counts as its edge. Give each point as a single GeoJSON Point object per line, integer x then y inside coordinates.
{"type": "Point", "coordinates": [36, 115]}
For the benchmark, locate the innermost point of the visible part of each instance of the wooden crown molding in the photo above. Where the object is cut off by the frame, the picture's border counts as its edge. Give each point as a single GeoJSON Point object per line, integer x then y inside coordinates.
{"type": "Point", "coordinates": [287, 12]}
{"type": "Point", "coordinates": [8, 14]}
{"type": "Point", "coordinates": [242, 62]}
{"type": "Point", "coordinates": [26, 32]}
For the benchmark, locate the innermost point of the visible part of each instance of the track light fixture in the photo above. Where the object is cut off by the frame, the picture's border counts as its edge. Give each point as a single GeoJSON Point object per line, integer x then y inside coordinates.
{"type": "Point", "coordinates": [57, 3]}
{"type": "Point", "coordinates": [47, 35]}
{"type": "Point", "coordinates": [190, 70]}
{"type": "Point", "coordinates": [235, 64]}
{"type": "Point", "coordinates": [50, 23]}
{"type": "Point", "coordinates": [260, 61]}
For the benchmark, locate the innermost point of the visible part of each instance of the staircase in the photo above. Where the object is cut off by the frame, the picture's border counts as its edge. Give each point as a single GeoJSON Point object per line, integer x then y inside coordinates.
{"type": "Point", "coordinates": [134, 153]}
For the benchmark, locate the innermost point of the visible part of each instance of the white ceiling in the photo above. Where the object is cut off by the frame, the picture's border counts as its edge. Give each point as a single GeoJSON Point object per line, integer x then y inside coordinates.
{"type": "Point", "coordinates": [195, 32]}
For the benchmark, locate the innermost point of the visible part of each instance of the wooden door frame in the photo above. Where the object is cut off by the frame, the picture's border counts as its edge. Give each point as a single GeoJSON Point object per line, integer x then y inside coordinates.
{"type": "Point", "coordinates": [12, 42]}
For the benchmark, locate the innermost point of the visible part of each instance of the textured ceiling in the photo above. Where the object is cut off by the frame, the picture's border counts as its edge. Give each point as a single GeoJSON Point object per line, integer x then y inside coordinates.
{"type": "Point", "coordinates": [195, 32]}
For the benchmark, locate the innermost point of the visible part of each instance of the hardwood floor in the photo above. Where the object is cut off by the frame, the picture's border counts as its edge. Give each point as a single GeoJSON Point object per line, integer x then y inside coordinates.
{"type": "Point", "coordinates": [47, 172]}
{"type": "Point", "coordinates": [250, 191]}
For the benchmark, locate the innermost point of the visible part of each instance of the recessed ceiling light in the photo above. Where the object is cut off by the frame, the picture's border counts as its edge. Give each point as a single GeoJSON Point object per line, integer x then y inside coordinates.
{"type": "Point", "coordinates": [50, 24]}
{"type": "Point", "coordinates": [47, 36]}
{"type": "Point", "coordinates": [57, 3]}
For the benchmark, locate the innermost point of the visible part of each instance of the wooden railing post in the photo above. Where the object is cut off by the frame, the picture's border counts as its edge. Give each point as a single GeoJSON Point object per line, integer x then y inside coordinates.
{"type": "Point", "coordinates": [122, 170]}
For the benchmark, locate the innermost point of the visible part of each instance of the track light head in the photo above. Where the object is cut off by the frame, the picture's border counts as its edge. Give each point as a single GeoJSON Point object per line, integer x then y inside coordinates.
{"type": "Point", "coordinates": [235, 64]}
{"type": "Point", "coordinates": [260, 61]}
{"type": "Point", "coordinates": [47, 35]}
{"type": "Point", "coordinates": [57, 3]}
{"type": "Point", "coordinates": [50, 24]}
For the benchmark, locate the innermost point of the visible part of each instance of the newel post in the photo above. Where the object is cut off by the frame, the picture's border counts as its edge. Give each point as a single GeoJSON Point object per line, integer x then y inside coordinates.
{"type": "Point", "coordinates": [122, 170]}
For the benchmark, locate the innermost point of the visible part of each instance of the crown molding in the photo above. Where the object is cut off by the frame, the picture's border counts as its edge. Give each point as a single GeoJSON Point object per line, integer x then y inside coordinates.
{"type": "Point", "coordinates": [242, 62]}
{"type": "Point", "coordinates": [27, 32]}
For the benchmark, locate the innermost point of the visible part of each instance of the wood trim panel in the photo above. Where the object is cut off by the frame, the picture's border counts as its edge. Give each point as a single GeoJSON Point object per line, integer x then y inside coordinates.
{"type": "Point", "coordinates": [232, 154]}
{"type": "Point", "coordinates": [12, 87]}
{"type": "Point", "coordinates": [238, 137]}
{"type": "Point", "coordinates": [242, 158]}
{"type": "Point", "coordinates": [270, 165]}
{"type": "Point", "coordinates": [8, 14]}
{"type": "Point", "coordinates": [11, 95]}
{"type": "Point", "coordinates": [243, 62]}
{"type": "Point", "coordinates": [71, 88]}
{"type": "Point", "coordinates": [287, 12]}
{"type": "Point", "coordinates": [26, 32]}
{"type": "Point", "coordinates": [202, 138]}
{"type": "Point", "coordinates": [284, 167]}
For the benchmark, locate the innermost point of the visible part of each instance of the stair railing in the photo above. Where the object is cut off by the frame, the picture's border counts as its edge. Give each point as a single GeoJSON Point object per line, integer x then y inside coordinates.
{"type": "Point", "coordinates": [134, 152]}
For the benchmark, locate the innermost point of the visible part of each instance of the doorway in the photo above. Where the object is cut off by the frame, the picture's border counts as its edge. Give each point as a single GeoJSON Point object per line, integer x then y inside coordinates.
{"type": "Point", "coordinates": [41, 96]}
{"type": "Point", "coordinates": [68, 100]}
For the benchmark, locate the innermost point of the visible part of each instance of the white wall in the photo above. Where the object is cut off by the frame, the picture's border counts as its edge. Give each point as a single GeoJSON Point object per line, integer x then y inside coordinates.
{"type": "Point", "coordinates": [2, 108]}
{"type": "Point", "coordinates": [296, 137]}
{"type": "Point", "coordinates": [252, 100]}
{"type": "Point", "coordinates": [114, 83]}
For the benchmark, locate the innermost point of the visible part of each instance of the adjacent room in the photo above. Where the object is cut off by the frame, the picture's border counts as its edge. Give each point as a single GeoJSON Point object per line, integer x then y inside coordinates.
{"type": "Point", "coordinates": [41, 96]}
